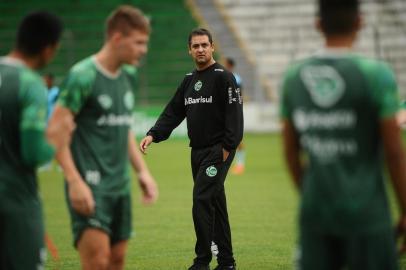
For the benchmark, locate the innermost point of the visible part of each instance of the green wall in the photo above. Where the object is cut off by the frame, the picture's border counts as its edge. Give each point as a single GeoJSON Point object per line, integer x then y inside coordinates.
{"type": "Point", "coordinates": [162, 69]}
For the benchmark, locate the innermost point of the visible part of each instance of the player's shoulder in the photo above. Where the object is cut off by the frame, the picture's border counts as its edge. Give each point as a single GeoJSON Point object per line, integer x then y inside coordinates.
{"type": "Point", "coordinates": [83, 72]}
{"type": "Point", "coordinates": [294, 68]}
{"type": "Point", "coordinates": [30, 76]}
{"type": "Point", "coordinates": [188, 77]}
{"type": "Point", "coordinates": [375, 70]}
{"type": "Point", "coordinates": [32, 86]}
{"type": "Point", "coordinates": [371, 65]}
{"type": "Point", "coordinates": [84, 65]}
{"type": "Point", "coordinates": [30, 79]}
{"type": "Point", "coordinates": [189, 74]}
{"type": "Point", "coordinates": [221, 72]}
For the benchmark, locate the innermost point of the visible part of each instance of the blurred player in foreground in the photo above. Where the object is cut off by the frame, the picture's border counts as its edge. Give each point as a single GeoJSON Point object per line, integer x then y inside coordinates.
{"type": "Point", "coordinates": [53, 92]}
{"type": "Point", "coordinates": [239, 164]}
{"type": "Point", "coordinates": [52, 95]}
{"type": "Point", "coordinates": [23, 143]}
{"type": "Point", "coordinates": [98, 93]}
{"type": "Point", "coordinates": [339, 111]}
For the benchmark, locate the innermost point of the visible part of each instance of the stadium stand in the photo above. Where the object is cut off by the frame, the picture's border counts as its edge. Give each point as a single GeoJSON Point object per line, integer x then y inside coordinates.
{"type": "Point", "coordinates": [228, 45]}
{"type": "Point", "coordinates": [163, 68]}
{"type": "Point", "coordinates": [279, 31]}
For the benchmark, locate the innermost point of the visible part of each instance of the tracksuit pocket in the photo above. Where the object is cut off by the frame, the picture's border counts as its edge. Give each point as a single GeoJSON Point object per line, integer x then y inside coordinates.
{"type": "Point", "coordinates": [217, 153]}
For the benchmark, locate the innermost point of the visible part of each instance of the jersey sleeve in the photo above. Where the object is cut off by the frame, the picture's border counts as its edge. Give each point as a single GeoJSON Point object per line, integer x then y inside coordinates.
{"type": "Point", "coordinates": [33, 107]}
{"type": "Point", "coordinates": [75, 89]}
{"type": "Point", "coordinates": [285, 109]}
{"type": "Point", "coordinates": [402, 105]}
{"type": "Point", "coordinates": [234, 119]}
{"type": "Point", "coordinates": [171, 117]}
{"type": "Point", "coordinates": [386, 92]}
{"type": "Point", "coordinates": [35, 150]}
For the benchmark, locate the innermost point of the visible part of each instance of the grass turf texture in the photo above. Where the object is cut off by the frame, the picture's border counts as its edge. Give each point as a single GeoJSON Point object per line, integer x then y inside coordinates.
{"type": "Point", "coordinates": [262, 207]}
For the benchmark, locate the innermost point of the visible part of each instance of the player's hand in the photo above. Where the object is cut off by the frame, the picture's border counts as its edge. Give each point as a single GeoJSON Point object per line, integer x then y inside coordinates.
{"type": "Point", "coordinates": [145, 143]}
{"type": "Point", "coordinates": [81, 197]}
{"type": "Point", "coordinates": [401, 234]}
{"type": "Point", "coordinates": [59, 131]}
{"type": "Point", "coordinates": [148, 187]}
{"type": "Point", "coordinates": [225, 154]}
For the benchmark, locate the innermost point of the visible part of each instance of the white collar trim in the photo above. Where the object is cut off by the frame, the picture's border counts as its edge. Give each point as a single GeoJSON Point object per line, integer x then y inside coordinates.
{"type": "Point", "coordinates": [104, 71]}
{"type": "Point", "coordinates": [12, 61]}
{"type": "Point", "coordinates": [334, 52]}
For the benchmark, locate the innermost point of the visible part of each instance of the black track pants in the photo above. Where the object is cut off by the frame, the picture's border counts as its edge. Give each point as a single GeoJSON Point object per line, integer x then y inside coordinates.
{"type": "Point", "coordinates": [210, 215]}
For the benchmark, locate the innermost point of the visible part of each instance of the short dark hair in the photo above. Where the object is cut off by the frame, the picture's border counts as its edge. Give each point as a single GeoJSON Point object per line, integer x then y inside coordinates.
{"type": "Point", "coordinates": [126, 18]}
{"type": "Point", "coordinates": [230, 61]}
{"type": "Point", "coordinates": [338, 16]}
{"type": "Point", "coordinates": [200, 32]}
{"type": "Point", "coordinates": [37, 31]}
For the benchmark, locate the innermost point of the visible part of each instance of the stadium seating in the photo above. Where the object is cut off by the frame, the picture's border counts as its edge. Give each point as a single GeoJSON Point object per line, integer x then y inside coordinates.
{"type": "Point", "coordinates": [279, 31]}
{"type": "Point", "coordinates": [167, 60]}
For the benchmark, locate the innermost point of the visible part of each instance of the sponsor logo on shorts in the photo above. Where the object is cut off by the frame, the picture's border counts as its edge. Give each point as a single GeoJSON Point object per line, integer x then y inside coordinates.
{"type": "Point", "coordinates": [211, 171]}
{"type": "Point", "coordinates": [92, 177]}
{"type": "Point", "coordinates": [94, 222]}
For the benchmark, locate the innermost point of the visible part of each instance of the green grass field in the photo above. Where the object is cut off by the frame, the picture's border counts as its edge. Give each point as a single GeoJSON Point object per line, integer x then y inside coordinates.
{"type": "Point", "coordinates": [262, 207]}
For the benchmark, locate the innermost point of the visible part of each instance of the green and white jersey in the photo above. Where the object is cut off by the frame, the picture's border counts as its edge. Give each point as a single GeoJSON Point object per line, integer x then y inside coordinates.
{"type": "Point", "coordinates": [103, 106]}
{"type": "Point", "coordinates": [335, 103]}
{"type": "Point", "coordinates": [23, 106]}
{"type": "Point", "coordinates": [403, 105]}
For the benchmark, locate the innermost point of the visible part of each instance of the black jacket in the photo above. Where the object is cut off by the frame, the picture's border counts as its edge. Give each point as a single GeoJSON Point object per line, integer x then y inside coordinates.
{"type": "Point", "coordinates": [212, 105]}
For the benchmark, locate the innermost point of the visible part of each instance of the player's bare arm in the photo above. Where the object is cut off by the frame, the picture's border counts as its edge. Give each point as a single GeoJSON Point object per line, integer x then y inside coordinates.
{"type": "Point", "coordinates": [59, 130]}
{"type": "Point", "coordinates": [292, 152]}
{"type": "Point", "coordinates": [79, 193]}
{"type": "Point", "coordinates": [395, 160]}
{"type": "Point", "coordinates": [145, 179]}
{"type": "Point", "coordinates": [401, 117]}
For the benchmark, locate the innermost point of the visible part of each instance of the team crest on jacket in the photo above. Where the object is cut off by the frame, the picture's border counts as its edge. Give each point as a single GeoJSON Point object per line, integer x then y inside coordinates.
{"type": "Point", "coordinates": [198, 85]}
{"type": "Point", "coordinates": [324, 84]}
{"type": "Point", "coordinates": [211, 171]}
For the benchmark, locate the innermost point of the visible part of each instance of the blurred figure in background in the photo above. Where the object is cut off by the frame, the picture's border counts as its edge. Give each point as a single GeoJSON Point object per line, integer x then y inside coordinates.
{"type": "Point", "coordinates": [339, 118]}
{"type": "Point", "coordinates": [23, 143]}
{"type": "Point", "coordinates": [53, 92]}
{"type": "Point", "coordinates": [239, 163]}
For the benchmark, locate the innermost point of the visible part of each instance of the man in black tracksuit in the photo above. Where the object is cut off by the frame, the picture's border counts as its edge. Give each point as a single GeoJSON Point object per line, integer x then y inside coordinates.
{"type": "Point", "coordinates": [212, 104]}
